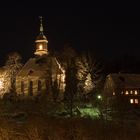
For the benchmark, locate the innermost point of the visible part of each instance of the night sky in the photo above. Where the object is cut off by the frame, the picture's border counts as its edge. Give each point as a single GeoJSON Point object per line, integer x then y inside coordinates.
{"type": "Point", "coordinates": [111, 34]}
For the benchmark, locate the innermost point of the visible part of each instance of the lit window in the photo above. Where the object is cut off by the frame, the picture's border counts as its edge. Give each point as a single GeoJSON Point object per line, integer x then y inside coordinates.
{"type": "Point", "coordinates": [131, 92]}
{"type": "Point", "coordinates": [131, 101]}
{"type": "Point", "coordinates": [136, 101]}
{"type": "Point", "coordinates": [113, 93]}
{"type": "Point", "coordinates": [136, 92]}
{"type": "Point", "coordinates": [40, 47]}
{"type": "Point", "coordinates": [126, 92]}
{"type": "Point", "coordinates": [122, 92]}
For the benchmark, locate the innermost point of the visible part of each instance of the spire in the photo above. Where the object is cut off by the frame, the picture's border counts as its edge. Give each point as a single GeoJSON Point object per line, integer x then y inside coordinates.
{"type": "Point", "coordinates": [41, 41]}
{"type": "Point", "coordinates": [41, 25]}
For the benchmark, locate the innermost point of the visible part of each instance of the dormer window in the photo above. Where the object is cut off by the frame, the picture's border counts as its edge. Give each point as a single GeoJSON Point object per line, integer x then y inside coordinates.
{"type": "Point", "coordinates": [30, 72]}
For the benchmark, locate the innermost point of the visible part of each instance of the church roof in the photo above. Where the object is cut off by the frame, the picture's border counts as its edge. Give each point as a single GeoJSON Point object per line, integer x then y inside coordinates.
{"type": "Point", "coordinates": [125, 80]}
{"type": "Point", "coordinates": [38, 67]}
{"type": "Point", "coordinates": [41, 36]}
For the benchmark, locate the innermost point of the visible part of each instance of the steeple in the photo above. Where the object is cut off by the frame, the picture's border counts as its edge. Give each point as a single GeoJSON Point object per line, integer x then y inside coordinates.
{"type": "Point", "coordinates": [41, 25]}
{"type": "Point", "coordinates": [41, 41]}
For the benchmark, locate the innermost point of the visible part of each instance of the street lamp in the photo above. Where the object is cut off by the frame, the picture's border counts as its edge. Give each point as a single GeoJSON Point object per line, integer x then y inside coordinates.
{"type": "Point", "coordinates": [99, 97]}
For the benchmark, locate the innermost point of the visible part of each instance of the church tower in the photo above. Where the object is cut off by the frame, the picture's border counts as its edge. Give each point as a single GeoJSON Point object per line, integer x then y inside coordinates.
{"type": "Point", "coordinates": [41, 42]}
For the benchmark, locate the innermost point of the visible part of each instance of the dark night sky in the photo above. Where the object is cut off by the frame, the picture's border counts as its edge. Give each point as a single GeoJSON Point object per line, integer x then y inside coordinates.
{"type": "Point", "coordinates": [109, 33]}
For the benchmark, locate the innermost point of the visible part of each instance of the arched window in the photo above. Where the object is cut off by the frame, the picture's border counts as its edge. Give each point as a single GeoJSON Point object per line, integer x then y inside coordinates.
{"type": "Point", "coordinates": [31, 88]}
{"type": "Point", "coordinates": [39, 86]}
{"type": "Point", "coordinates": [22, 87]}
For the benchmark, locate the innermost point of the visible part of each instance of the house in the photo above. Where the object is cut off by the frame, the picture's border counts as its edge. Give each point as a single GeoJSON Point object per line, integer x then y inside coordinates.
{"type": "Point", "coordinates": [122, 88]}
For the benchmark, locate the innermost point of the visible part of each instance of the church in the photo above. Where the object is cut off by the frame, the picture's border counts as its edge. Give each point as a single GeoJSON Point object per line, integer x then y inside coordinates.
{"type": "Point", "coordinates": [42, 72]}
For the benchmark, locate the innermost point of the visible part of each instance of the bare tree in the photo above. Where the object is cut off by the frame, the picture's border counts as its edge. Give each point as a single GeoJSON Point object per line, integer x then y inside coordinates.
{"type": "Point", "coordinates": [89, 73]}
{"type": "Point", "coordinates": [13, 65]}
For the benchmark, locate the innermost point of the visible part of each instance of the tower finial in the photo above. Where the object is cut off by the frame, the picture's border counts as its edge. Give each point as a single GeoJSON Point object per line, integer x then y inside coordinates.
{"type": "Point", "coordinates": [41, 25]}
{"type": "Point", "coordinates": [41, 41]}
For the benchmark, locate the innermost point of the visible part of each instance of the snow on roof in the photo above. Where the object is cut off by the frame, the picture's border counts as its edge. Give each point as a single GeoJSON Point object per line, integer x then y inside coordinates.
{"type": "Point", "coordinates": [126, 80]}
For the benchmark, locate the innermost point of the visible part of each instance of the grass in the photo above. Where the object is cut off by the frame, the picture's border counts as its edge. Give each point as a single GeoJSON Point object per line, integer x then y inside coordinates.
{"type": "Point", "coordinates": [29, 120]}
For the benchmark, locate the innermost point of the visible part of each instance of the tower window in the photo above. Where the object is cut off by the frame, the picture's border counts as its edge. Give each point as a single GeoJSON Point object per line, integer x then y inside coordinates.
{"type": "Point", "coordinates": [40, 47]}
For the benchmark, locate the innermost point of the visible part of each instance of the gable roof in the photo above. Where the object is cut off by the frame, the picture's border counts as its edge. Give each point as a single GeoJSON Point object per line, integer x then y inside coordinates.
{"type": "Point", "coordinates": [125, 80]}
{"type": "Point", "coordinates": [38, 67]}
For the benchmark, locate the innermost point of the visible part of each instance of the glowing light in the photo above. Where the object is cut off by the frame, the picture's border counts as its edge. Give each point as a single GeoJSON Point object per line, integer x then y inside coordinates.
{"type": "Point", "coordinates": [131, 92]}
{"type": "Point", "coordinates": [126, 93]}
{"type": "Point", "coordinates": [40, 47]}
{"type": "Point", "coordinates": [92, 112]}
{"type": "Point", "coordinates": [136, 101]}
{"type": "Point", "coordinates": [136, 92]}
{"type": "Point", "coordinates": [113, 93]}
{"type": "Point", "coordinates": [131, 101]}
{"type": "Point", "coordinates": [99, 97]}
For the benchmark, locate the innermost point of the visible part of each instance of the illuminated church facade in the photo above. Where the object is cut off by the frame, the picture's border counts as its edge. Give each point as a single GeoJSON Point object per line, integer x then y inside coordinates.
{"type": "Point", "coordinates": [43, 72]}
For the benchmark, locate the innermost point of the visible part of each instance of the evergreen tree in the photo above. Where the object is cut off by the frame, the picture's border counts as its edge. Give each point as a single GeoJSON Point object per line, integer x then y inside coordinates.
{"type": "Point", "coordinates": [71, 86]}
